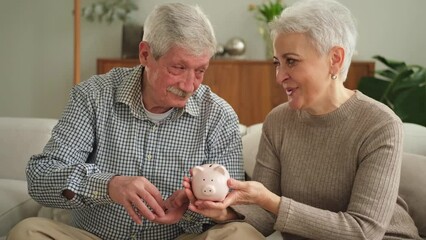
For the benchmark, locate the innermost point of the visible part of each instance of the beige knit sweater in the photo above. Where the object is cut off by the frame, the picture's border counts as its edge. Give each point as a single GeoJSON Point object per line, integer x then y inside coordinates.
{"type": "Point", "coordinates": [338, 173]}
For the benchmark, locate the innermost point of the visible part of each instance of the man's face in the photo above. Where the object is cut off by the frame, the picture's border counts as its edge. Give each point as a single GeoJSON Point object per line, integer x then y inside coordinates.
{"type": "Point", "coordinates": [170, 80]}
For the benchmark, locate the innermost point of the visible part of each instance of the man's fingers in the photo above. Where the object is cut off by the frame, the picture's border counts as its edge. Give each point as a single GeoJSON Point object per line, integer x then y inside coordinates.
{"type": "Point", "coordinates": [153, 191]}
{"type": "Point", "coordinates": [176, 200]}
{"type": "Point", "coordinates": [143, 209]}
{"type": "Point", "coordinates": [151, 201]}
{"type": "Point", "coordinates": [190, 195]}
{"type": "Point", "coordinates": [180, 198]}
{"type": "Point", "coordinates": [186, 182]}
{"type": "Point", "coordinates": [132, 213]}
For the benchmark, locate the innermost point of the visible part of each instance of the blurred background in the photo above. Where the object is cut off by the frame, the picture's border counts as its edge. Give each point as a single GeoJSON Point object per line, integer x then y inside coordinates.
{"type": "Point", "coordinates": [36, 43]}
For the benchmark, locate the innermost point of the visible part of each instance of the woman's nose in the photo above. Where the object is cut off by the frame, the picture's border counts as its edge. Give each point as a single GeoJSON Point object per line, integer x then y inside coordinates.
{"type": "Point", "coordinates": [280, 75]}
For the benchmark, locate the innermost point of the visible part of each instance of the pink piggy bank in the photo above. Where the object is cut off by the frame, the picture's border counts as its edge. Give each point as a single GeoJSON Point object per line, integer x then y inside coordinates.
{"type": "Point", "coordinates": [209, 182]}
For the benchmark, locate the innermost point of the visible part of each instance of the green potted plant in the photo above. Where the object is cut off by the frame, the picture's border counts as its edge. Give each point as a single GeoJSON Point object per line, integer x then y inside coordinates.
{"type": "Point", "coordinates": [109, 10]}
{"type": "Point", "coordinates": [265, 13]}
{"type": "Point", "coordinates": [400, 86]}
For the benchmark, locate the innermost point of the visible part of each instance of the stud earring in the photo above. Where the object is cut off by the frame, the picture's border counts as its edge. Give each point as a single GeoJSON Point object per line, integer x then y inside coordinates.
{"type": "Point", "coordinates": [334, 77]}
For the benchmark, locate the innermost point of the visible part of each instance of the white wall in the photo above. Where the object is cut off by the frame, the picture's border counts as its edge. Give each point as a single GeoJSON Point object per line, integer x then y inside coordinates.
{"type": "Point", "coordinates": [36, 43]}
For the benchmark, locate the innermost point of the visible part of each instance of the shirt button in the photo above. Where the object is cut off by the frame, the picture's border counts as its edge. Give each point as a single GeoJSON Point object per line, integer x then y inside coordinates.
{"type": "Point", "coordinates": [95, 193]}
{"type": "Point", "coordinates": [149, 157]}
{"type": "Point", "coordinates": [154, 129]}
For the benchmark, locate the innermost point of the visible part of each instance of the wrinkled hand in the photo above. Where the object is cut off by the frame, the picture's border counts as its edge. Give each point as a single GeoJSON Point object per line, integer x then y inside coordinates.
{"type": "Point", "coordinates": [136, 194]}
{"type": "Point", "coordinates": [202, 207]}
{"type": "Point", "coordinates": [176, 205]}
{"type": "Point", "coordinates": [246, 192]}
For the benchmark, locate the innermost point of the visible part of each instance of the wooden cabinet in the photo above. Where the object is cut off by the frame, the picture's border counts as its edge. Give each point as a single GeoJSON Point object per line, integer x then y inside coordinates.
{"type": "Point", "coordinates": [248, 85]}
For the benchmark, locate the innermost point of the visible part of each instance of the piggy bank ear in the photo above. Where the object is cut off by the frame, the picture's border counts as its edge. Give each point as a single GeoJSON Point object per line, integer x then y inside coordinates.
{"type": "Point", "coordinates": [197, 170]}
{"type": "Point", "coordinates": [221, 169]}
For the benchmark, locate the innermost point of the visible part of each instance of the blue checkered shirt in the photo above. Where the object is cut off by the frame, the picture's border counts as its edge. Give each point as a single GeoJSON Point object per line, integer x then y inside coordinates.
{"type": "Point", "coordinates": [104, 132]}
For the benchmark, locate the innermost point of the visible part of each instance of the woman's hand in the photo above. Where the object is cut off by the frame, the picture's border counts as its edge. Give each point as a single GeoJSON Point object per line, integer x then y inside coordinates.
{"type": "Point", "coordinates": [243, 192]}
{"type": "Point", "coordinates": [252, 192]}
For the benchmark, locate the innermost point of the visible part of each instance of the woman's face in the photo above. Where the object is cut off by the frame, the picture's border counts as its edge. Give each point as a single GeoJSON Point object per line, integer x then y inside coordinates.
{"type": "Point", "coordinates": [302, 72]}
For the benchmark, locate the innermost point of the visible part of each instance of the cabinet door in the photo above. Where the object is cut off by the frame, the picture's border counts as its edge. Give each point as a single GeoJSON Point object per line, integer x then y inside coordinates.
{"type": "Point", "coordinates": [358, 70]}
{"type": "Point", "coordinates": [248, 86]}
{"type": "Point", "coordinates": [105, 65]}
{"type": "Point", "coordinates": [258, 91]}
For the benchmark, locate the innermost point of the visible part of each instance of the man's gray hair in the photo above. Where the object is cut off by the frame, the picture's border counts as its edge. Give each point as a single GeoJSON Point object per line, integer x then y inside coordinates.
{"type": "Point", "coordinates": [327, 23]}
{"type": "Point", "coordinates": [178, 24]}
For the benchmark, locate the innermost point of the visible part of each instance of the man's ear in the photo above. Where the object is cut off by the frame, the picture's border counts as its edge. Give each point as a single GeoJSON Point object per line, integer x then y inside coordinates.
{"type": "Point", "coordinates": [144, 52]}
{"type": "Point", "coordinates": [337, 57]}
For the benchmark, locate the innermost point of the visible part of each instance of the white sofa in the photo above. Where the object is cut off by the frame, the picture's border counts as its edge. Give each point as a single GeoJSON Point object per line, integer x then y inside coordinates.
{"type": "Point", "coordinates": [22, 137]}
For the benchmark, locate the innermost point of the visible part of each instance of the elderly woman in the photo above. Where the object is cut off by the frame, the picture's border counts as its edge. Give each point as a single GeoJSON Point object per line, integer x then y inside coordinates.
{"type": "Point", "coordinates": [329, 159]}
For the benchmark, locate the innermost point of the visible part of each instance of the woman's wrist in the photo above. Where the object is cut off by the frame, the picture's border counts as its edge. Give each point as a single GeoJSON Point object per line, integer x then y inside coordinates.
{"type": "Point", "coordinates": [270, 202]}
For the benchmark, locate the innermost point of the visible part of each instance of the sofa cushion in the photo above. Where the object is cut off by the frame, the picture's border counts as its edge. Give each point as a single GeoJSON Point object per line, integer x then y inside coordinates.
{"type": "Point", "coordinates": [19, 139]}
{"type": "Point", "coordinates": [15, 204]}
{"type": "Point", "coordinates": [414, 138]}
{"type": "Point", "coordinates": [250, 146]}
{"type": "Point", "coordinates": [413, 188]}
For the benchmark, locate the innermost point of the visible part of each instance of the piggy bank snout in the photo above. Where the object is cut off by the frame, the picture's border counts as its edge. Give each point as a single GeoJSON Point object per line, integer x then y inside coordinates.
{"type": "Point", "coordinates": [209, 182]}
{"type": "Point", "coordinates": [209, 190]}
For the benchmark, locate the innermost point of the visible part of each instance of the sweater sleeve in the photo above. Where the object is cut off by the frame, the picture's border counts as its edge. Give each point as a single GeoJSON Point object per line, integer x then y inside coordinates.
{"type": "Point", "coordinates": [268, 173]}
{"type": "Point", "coordinates": [372, 200]}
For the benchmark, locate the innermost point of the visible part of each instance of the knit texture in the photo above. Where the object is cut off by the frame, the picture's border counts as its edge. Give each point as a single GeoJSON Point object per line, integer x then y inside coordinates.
{"type": "Point", "coordinates": [338, 173]}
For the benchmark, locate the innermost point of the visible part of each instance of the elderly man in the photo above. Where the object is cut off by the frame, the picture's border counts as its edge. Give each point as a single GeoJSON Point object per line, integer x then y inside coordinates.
{"type": "Point", "coordinates": [127, 139]}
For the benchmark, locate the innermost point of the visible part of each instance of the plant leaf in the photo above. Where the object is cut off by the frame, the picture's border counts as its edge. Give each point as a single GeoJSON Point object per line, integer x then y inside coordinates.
{"type": "Point", "coordinates": [396, 65]}
{"type": "Point", "coordinates": [373, 87]}
{"type": "Point", "coordinates": [410, 105]}
{"type": "Point", "coordinates": [402, 87]}
{"type": "Point", "coordinates": [387, 73]}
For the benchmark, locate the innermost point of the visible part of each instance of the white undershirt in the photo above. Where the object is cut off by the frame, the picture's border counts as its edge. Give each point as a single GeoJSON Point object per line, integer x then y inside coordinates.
{"type": "Point", "coordinates": [156, 117]}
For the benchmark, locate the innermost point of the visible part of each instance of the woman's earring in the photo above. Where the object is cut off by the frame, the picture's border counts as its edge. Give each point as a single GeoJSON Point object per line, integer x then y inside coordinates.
{"type": "Point", "coordinates": [334, 77]}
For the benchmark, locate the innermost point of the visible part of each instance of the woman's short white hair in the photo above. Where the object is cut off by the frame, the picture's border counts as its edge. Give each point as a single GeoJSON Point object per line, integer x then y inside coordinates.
{"type": "Point", "coordinates": [327, 23]}
{"type": "Point", "coordinates": [178, 24]}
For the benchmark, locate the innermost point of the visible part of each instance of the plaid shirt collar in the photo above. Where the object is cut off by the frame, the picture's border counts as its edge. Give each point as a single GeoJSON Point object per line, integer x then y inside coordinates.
{"type": "Point", "coordinates": [129, 92]}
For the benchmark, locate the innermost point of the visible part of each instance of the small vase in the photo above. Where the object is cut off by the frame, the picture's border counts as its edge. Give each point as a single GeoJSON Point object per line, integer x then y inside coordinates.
{"type": "Point", "coordinates": [264, 32]}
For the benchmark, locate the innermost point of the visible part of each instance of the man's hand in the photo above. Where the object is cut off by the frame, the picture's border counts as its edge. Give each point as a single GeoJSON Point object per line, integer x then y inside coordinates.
{"type": "Point", "coordinates": [176, 205]}
{"type": "Point", "coordinates": [137, 194]}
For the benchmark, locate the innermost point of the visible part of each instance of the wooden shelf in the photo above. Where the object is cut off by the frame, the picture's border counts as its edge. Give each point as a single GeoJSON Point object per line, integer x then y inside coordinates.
{"type": "Point", "coordinates": [248, 85]}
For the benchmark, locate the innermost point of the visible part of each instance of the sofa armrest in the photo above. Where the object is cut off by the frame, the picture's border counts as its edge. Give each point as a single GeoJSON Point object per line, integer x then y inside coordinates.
{"type": "Point", "coordinates": [412, 188]}
{"type": "Point", "coordinates": [15, 204]}
{"type": "Point", "coordinates": [20, 138]}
